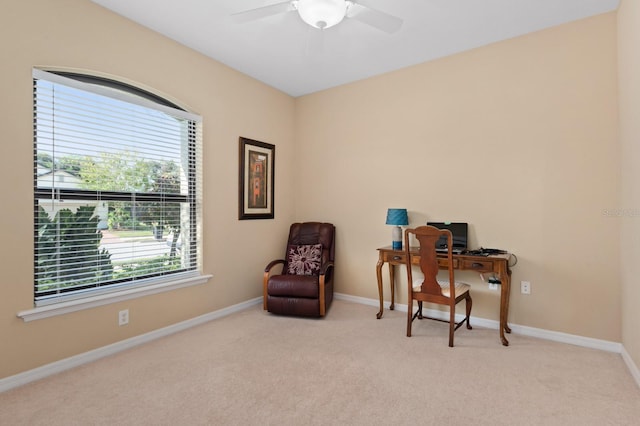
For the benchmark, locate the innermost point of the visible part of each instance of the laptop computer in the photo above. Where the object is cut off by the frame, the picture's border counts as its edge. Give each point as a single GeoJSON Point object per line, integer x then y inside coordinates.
{"type": "Point", "coordinates": [459, 233]}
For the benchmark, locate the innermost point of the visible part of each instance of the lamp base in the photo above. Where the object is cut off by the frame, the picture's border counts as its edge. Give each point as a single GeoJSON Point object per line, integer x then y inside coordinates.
{"type": "Point", "coordinates": [396, 238]}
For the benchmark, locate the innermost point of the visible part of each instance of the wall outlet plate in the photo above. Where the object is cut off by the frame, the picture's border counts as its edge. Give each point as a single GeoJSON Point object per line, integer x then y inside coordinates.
{"type": "Point", "coordinates": [123, 317]}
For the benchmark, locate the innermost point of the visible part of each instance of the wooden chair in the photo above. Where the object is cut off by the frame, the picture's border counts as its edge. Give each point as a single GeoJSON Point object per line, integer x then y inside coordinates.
{"type": "Point", "coordinates": [430, 290]}
{"type": "Point", "coordinates": [304, 287]}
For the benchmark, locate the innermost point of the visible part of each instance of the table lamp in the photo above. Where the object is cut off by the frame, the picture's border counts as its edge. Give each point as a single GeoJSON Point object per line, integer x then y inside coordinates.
{"type": "Point", "coordinates": [397, 217]}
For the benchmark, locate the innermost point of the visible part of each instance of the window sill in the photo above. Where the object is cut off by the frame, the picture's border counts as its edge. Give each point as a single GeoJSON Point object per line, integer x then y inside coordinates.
{"type": "Point", "coordinates": [108, 298]}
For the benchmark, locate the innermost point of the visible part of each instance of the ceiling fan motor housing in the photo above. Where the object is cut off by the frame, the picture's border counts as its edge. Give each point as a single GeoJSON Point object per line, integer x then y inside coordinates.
{"type": "Point", "coordinates": [322, 13]}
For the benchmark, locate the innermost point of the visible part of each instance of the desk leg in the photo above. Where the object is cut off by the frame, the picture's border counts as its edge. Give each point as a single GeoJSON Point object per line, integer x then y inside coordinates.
{"type": "Point", "coordinates": [503, 313]}
{"type": "Point", "coordinates": [392, 281]}
{"type": "Point", "coordinates": [505, 293]}
{"type": "Point", "coordinates": [506, 309]}
{"type": "Point", "coordinates": [379, 275]}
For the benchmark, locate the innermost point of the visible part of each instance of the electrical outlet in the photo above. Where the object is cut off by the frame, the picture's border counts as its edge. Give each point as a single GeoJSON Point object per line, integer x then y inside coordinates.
{"type": "Point", "coordinates": [525, 287]}
{"type": "Point", "coordinates": [493, 283]}
{"type": "Point", "coordinates": [123, 317]}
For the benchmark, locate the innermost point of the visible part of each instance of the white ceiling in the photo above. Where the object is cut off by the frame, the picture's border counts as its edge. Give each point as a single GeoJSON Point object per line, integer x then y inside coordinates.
{"type": "Point", "coordinates": [285, 53]}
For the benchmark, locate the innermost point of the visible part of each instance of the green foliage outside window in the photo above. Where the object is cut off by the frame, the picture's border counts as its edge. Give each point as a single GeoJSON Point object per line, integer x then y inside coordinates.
{"type": "Point", "coordinates": [163, 263]}
{"type": "Point", "coordinates": [69, 251]}
{"type": "Point", "coordinates": [71, 241]}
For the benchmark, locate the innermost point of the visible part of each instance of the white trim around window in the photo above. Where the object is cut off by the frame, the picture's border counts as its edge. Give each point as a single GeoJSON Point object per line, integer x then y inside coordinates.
{"type": "Point", "coordinates": [108, 298]}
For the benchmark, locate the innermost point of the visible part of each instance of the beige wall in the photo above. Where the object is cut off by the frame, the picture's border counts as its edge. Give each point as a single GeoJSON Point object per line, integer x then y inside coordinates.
{"type": "Point", "coordinates": [529, 126]}
{"type": "Point", "coordinates": [79, 34]}
{"type": "Point", "coordinates": [629, 94]}
{"type": "Point", "coordinates": [518, 138]}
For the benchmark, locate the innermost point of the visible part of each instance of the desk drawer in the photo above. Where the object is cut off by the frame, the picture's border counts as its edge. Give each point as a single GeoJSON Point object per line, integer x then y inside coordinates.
{"type": "Point", "coordinates": [443, 263]}
{"type": "Point", "coordinates": [394, 257]}
{"type": "Point", "coordinates": [479, 265]}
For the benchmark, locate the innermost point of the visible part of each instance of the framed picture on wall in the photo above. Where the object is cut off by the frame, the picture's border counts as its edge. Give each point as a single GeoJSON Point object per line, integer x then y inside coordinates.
{"type": "Point", "coordinates": [257, 165]}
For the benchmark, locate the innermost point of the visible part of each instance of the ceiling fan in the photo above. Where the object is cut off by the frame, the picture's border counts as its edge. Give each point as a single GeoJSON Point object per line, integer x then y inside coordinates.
{"type": "Point", "coordinates": [323, 14]}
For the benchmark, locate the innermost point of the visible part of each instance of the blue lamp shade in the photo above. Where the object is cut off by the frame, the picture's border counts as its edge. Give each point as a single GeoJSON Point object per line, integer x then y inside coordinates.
{"type": "Point", "coordinates": [397, 217]}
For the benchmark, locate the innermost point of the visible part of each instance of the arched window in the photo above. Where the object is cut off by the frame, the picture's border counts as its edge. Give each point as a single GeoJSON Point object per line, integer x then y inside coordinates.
{"type": "Point", "coordinates": [117, 181]}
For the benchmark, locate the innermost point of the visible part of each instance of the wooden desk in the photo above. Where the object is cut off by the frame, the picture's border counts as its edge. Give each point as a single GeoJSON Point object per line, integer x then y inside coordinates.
{"type": "Point", "coordinates": [498, 264]}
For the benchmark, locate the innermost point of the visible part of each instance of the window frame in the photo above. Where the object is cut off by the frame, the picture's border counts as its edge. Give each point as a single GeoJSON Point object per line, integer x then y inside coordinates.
{"type": "Point", "coordinates": [97, 294]}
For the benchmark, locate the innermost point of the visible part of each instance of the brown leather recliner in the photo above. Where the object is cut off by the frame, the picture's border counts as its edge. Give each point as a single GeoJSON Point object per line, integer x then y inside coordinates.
{"type": "Point", "coordinates": [305, 285]}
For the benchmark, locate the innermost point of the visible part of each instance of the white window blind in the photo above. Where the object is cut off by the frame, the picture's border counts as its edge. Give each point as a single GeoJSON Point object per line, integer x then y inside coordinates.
{"type": "Point", "coordinates": [117, 180]}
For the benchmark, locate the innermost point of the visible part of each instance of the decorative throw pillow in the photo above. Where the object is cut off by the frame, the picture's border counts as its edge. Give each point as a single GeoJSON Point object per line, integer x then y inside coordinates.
{"type": "Point", "coordinates": [304, 259]}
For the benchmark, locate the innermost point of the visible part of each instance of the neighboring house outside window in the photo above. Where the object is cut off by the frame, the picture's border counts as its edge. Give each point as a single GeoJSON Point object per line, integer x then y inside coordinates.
{"type": "Point", "coordinates": [117, 196]}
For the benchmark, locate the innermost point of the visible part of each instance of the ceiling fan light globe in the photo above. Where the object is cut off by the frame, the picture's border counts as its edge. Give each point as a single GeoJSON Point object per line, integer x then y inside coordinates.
{"type": "Point", "coordinates": [322, 13]}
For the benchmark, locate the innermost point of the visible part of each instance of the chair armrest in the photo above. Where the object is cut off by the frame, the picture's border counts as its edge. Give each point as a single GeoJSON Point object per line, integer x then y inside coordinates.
{"type": "Point", "coordinates": [272, 264]}
{"type": "Point", "coordinates": [325, 267]}
{"type": "Point", "coordinates": [265, 280]}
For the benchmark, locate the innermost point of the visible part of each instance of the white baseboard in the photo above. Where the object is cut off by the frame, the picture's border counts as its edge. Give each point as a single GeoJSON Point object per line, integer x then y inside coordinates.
{"type": "Point", "coordinates": [93, 355]}
{"type": "Point", "coordinates": [633, 368]}
{"type": "Point", "coordinates": [90, 356]}
{"type": "Point", "coordinates": [587, 342]}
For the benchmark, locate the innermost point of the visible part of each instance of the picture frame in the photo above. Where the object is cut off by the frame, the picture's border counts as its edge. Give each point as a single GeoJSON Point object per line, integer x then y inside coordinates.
{"type": "Point", "coordinates": [256, 180]}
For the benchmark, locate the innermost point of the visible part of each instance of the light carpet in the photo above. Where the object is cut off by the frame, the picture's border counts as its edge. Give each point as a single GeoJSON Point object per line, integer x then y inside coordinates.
{"type": "Point", "coordinates": [349, 368]}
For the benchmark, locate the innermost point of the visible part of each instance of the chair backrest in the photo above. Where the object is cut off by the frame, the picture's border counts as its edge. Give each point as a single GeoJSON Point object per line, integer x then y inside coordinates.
{"type": "Point", "coordinates": [309, 234]}
{"type": "Point", "coordinates": [427, 237]}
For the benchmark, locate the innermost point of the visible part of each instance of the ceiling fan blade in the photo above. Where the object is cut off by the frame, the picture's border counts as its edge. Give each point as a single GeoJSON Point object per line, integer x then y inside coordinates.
{"type": "Point", "coordinates": [375, 18]}
{"type": "Point", "coordinates": [263, 12]}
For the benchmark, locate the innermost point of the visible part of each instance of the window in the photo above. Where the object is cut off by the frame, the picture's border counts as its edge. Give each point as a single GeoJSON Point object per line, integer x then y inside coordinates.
{"type": "Point", "coordinates": [116, 188]}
